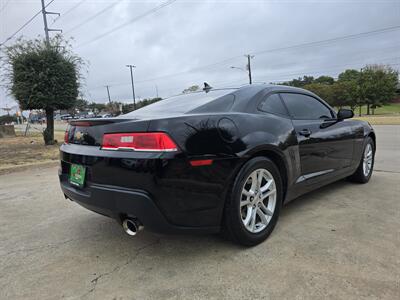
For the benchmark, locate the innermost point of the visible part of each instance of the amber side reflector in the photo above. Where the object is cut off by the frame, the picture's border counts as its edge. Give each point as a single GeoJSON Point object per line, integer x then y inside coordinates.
{"type": "Point", "coordinates": [202, 162]}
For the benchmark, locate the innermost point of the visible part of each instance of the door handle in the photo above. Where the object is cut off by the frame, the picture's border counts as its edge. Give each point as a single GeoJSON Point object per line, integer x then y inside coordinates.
{"type": "Point", "coordinates": [305, 132]}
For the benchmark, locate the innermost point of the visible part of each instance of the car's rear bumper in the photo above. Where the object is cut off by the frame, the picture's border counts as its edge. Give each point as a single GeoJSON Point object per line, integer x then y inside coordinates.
{"type": "Point", "coordinates": [118, 203]}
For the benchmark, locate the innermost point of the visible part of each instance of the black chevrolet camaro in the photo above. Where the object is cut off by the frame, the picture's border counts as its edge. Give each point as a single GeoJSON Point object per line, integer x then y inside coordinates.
{"type": "Point", "coordinates": [219, 160]}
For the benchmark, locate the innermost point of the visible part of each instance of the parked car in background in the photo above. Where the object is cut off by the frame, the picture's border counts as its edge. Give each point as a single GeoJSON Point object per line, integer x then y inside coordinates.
{"type": "Point", "coordinates": [66, 117]}
{"type": "Point", "coordinates": [107, 116]}
{"type": "Point", "coordinates": [216, 160]}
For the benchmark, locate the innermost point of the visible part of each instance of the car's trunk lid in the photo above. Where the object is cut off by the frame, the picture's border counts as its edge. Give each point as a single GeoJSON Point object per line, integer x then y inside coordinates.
{"type": "Point", "coordinates": [90, 132]}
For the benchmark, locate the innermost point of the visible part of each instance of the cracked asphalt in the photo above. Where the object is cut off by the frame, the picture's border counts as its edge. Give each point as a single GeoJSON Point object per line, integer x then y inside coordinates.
{"type": "Point", "coordinates": [340, 242]}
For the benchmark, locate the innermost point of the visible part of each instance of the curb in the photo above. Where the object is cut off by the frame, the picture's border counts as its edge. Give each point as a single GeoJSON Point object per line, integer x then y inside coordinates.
{"type": "Point", "coordinates": [20, 168]}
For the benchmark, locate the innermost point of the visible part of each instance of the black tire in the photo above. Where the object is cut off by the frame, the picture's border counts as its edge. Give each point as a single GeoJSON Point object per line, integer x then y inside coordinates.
{"type": "Point", "coordinates": [359, 175]}
{"type": "Point", "coordinates": [233, 227]}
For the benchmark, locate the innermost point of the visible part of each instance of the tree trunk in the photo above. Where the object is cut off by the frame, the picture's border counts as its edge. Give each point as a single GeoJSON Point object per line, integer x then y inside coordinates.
{"type": "Point", "coordinates": [48, 133]}
{"type": "Point", "coordinates": [368, 109]}
{"type": "Point", "coordinates": [359, 110]}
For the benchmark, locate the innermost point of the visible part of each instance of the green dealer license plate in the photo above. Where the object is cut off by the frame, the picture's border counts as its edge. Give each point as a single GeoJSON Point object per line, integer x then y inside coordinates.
{"type": "Point", "coordinates": [77, 175]}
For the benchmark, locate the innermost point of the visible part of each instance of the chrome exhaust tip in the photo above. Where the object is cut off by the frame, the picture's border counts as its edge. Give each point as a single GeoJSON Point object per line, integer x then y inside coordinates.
{"type": "Point", "coordinates": [131, 226]}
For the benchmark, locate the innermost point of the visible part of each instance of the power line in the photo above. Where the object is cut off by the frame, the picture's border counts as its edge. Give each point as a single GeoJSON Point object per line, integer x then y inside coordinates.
{"type": "Point", "coordinates": [352, 36]}
{"type": "Point", "coordinates": [93, 17]}
{"type": "Point", "coordinates": [302, 73]}
{"type": "Point", "coordinates": [345, 37]}
{"type": "Point", "coordinates": [137, 18]}
{"type": "Point", "coordinates": [352, 64]}
{"type": "Point", "coordinates": [180, 73]}
{"type": "Point", "coordinates": [326, 68]}
{"type": "Point", "coordinates": [25, 24]}
{"type": "Point", "coordinates": [330, 68]}
{"type": "Point", "coordinates": [4, 6]}
{"type": "Point", "coordinates": [271, 66]}
{"type": "Point", "coordinates": [358, 35]}
{"type": "Point", "coordinates": [69, 10]}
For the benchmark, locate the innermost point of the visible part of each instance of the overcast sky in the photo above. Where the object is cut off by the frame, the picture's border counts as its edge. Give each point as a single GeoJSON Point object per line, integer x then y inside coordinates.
{"type": "Point", "coordinates": [188, 42]}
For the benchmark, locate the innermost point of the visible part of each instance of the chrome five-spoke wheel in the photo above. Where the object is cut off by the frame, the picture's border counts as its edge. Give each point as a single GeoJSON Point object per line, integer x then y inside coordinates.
{"type": "Point", "coordinates": [367, 159]}
{"type": "Point", "coordinates": [258, 200]}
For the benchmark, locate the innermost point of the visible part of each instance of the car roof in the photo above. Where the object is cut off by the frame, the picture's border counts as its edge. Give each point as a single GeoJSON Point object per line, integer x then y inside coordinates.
{"type": "Point", "coordinates": [255, 88]}
{"type": "Point", "coordinates": [246, 94]}
{"type": "Point", "coordinates": [234, 99]}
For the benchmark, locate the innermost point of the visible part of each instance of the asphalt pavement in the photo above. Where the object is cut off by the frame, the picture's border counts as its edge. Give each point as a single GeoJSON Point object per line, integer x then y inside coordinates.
{"type": "Point", "coordinates": [340, 242]}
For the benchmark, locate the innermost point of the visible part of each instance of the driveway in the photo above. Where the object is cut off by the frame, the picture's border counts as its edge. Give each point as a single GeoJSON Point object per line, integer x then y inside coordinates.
{"type": "Point", "coordinates": [340, 242]}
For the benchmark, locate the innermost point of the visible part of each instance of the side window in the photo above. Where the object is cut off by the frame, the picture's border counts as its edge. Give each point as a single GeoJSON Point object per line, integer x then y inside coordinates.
{"type": "Point", "coordinates": [273, 104]}
{"type": "Point", "coordinates": [305, 107]}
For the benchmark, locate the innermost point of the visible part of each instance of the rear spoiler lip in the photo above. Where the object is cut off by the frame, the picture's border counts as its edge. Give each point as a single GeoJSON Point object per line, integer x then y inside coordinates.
{"type": "Point", "coordinates": [95, 121]}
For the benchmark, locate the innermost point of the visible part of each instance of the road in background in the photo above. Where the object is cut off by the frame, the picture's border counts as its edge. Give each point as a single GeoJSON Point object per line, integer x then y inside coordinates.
{"type": "Point", "coordinates": [339, 242]}
{"type": "Point", "coordinates": [388, 148]}
{"type": "Point", "coordinates": [36, 127]}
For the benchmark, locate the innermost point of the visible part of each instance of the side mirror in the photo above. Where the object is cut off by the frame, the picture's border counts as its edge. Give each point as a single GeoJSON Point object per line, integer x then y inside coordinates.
{"type": "Point", "coordinates": [344, 113]}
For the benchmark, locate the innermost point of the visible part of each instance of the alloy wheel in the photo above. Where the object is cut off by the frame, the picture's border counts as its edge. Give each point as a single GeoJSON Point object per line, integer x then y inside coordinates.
{"type": "Point", "coordinates": [258, 200]}
{"type": "Point", "coordinates": [367, 160]}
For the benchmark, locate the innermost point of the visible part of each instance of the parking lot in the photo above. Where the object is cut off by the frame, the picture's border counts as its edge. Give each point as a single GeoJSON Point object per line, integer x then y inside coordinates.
{"type": "Point", "coordinates": [340, 242]}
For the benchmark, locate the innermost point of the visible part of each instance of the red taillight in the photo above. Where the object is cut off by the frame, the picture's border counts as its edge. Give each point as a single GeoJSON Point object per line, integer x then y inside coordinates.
{"type": "Point", "coordinates": [146, 141]}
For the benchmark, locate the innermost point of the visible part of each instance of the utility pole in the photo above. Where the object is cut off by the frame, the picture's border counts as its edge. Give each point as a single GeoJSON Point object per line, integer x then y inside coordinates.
{"type": "Point", "coordinates": [133, 86]}
{"type": "Point", "coordinates": [157, 90]}
{"type": "Point", "coordinates": [46, 28]}
{"type": "Point", "coordinates": [249, 57]}
{"type": "Point", "coordinates": [108, 92]}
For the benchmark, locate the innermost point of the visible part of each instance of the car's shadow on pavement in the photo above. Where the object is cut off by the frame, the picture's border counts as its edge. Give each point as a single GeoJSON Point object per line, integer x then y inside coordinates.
{"type": "Point", "coordinates": [311, 198]}
{"type": "Point", "coordinates": [109, 235]}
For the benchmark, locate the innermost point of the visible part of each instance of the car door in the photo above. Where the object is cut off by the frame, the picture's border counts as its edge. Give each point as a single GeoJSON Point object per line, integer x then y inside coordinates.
{"type": "Point", "coordinates": [325, 144]}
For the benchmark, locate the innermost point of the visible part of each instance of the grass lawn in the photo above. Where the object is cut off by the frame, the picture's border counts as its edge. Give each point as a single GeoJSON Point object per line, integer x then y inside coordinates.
{"type": "Point", "coordinates": [29, 150]}
{"type": "Point", "coordinates": [386, 115]}
{"type": "Point", "coordinates": [380, 119]}
{"type": "Point", "coordinates": [22, 151]}
{"type": "Point", "coordinates": [392, 108]}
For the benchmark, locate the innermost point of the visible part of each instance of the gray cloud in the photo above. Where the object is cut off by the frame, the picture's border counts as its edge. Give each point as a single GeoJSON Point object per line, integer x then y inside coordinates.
{"type": "Point", "coordinates": [187, 35]}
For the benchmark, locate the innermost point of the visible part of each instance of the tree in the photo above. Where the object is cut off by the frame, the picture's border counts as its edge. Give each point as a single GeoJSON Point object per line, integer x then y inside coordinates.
{"type": "Point", "coordinates": [44, 76]}
{"type": "Point", "coordinates": [191, 89]}
{"type": "Point", "coordinates": [300, 82]}
{"type": "Point", "coordinates": [114, 108]}
{"type": "Point", "coordinates": [377, 85]}
{"type": "Point", "coordinates": [322, 90]}
{"type": "Point", "coordinates": [126, 108]}
{"type": "Point", "coordinates": [324, 79]}
{"type": "Point", "coordinates": [81, 105]}
{"type": "Point", "coordinates": [96, 107]}
{"type": "Point", "coordinates": [349, 89]}
{"type": "Point", "coordinates": [349, 75]}
{"type": "Point", "coordinates": [345, 93]}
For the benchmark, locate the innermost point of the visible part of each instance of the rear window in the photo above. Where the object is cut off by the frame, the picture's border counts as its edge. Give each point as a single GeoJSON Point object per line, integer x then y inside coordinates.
{"type": "Point", "coordinates": [179, 104]}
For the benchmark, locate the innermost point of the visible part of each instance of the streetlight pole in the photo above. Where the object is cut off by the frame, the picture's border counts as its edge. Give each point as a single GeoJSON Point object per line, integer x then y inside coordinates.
{"type": "Point", "coordinates": [133, 86]}
{"type": "Point", "coordinates": [108, 93]}
{"type": "Point", "coordinates": [249, 66]}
